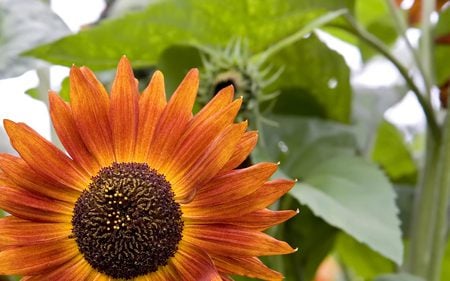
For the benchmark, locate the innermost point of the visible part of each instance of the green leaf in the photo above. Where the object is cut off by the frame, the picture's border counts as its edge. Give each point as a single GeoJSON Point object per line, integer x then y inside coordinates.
{"type": "Point", "coordinates": [346, 192]}
{"type": "Point", "coordinates": [343, 189]}
{"type": "Point", "coordinates": [369, 106]}
{"type": "Point", "coordinates": [143, 36]}
{"type": "Point", "coordinates": [121, 7]}
{"type": "Point", "coordinates": [314, 239]}
{"type": "Point", "coordinates": [23, 25]}
{"type": "Point", "coordinates": [398, 277]}
{"type": "Point", "coordinates": [315, 81]}
{"type": "Point", "coordinates": [391, 153]}
{"type": "Point", "coordinates": [33, 92]}
{"type": "Point", "coordinates": [375, 16]}
{"type": "Point", "coordinates": [175, 62]}
{"type": "Point", "coordinates": [65, 89]}
{"type": "Point", "coordinates": [365, 262]}
{"type": "Point", "coordinates": [311, 140]}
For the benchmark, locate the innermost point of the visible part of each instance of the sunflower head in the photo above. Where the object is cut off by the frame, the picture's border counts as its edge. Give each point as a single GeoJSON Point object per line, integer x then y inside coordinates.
{"type": "Point", "coordinates": [144, 191]}
{"type": "Point", "coordinates": [234, 65]}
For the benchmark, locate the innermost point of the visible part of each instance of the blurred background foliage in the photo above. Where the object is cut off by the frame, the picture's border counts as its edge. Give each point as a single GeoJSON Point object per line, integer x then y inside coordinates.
{"type": "Point", "coordinates": [358, 173]}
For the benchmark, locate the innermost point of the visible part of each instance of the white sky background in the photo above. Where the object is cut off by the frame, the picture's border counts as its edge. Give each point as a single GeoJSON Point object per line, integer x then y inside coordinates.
{"type": "Point", "coordinates": [17, 106]}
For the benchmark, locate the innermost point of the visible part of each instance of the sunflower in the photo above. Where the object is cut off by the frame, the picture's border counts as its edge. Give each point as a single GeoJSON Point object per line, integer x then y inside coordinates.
{"type": "Point", "coordinates": [146, 190]}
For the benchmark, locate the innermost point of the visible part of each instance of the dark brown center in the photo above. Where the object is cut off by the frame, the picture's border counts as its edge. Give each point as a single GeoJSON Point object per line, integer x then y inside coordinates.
{"type": "Point", "coordinates": [127, 223]}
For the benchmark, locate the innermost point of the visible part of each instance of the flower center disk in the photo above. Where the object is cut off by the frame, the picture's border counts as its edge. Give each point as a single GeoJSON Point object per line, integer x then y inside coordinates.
{"type": "Point", "coordinates": [127, 223]}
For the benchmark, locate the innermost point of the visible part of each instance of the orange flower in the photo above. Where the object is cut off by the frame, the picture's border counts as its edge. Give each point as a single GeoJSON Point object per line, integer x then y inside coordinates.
{"type": "Point", "coordinates": [146, 191]}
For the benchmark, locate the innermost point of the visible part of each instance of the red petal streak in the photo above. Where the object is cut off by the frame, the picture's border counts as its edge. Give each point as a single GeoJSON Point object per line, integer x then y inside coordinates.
{"type": "Point", "coordinates": [249, 267]}
{"type": "Point", "coordinates": [259, 220]}
{"type": "Point", "coordinates": [36, 259]}
{"type": "Point", "coordinates": [234, 184]}
{"type": "Point", "coordinates": [173, 120]}
{"type": "Point", "coordinates": [242, 151]}
{"type": "Point", "coordinates": [260, 199]}
{"type": "Point", "coordinates": [151, 105]}
{"type": "Point", "coordinates": [18, 232]}
{"type": "Point", "coordinates": [44, 157]}
{"type": "Point", "coordinates": [228, 240]}
{"type": "Point", "coordinates": [23, 176]}
{"type": "Point", "coordinates": [90, 107]}
{"type": "Point", "coordinates": [199, 135]}
{"type": "Point", "coordinates": [75, 270]}
{"type": "Point", "coordinates": [124, 112]}
{"type": "Point", "coordinates": [222, 99]}
{"type": "Point", "coordinates": [212, 160]}
{"type": "Point", "coordinates": [68, 134]}
{"type": "Point", "coordinates": [26, 205]}
{"type": "Point", "coordinates": [193, 264]}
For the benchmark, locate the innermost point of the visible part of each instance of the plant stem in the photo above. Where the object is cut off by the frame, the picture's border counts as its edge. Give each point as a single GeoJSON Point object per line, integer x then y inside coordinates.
{"type": "Point", "coordinates": [424, 213]}
{"type": "Point", "coordinates": [402, 27]}
{"type": "Point", "coordinates": [375, 43]}
{"type": "Point", "coordinates": [426, 42]}
{"type": "Point", "coordinates": [442, 203]}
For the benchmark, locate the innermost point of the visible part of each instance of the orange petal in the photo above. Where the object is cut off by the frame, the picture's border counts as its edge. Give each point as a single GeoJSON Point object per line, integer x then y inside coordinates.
{"type": "Point", "coordinates": [222, 99]}
{"type": "Point", "coordinates": [259, 220]}
{"type": "Point", "coordinates": [76, 269]}
{"type": "Point", "coordinates": [29, 206]}
{"type": "Point", "coordinates": [193, 264]}
{"type": "Point", "coordinates": [97, 276]}
{"type": "Point", "coordinates": [242, 151]}
{"type": "Point", "coordinates": [68, 134]}
{"type": "Point", "coordinates": [173, 120]}
{"type": "Point", "coordinates": [151, 104]}
{"type": "Point", "coordinates": [22, 175]}
{"type": "Point", "coordinates": [44, 157]}
{"type": "Point", "coordinates": [164, 273]}
{"type": "Point", "coordinates": [234, 184]}
{"type": "Point", "coordinates": [199, 135]}
{"type": "Point", "coordinates": [18, 232]}
{"type": "Point", "coordinates": [90, 107]}
{"type": "Point", "coordinates": [260, 199]}
{"type": "Point", "coordinates": [225, 278]}
{"type": "Point", "coordinates": [212, 160]}
{"type": "Point", "coordinates": [249, 267]}
{"type": "Point", "coordinates": [228, 240]}
{"type": "Point", "coordinates": [124, 112]}
{"type": "Point", "coordinates": [36, 259]}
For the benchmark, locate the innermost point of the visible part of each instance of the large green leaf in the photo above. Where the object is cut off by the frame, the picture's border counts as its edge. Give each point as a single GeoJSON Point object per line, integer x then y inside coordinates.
{"type": "Point", "coordinates": [369, 107]}
{"type": "Point", "coordinates": [346, 191]}
{"type": "Point", "coordinates": [315, 81]}
{"type": "Point", "coordinates": [144, 35]}
{"type": "Point", "coordinates": [362, 260]}
{"type": "Point", "coordinates": [374, 15]}
{"type": "Point", "coordinates": [314, 239]}
{"type": "Point", "coordinates": [23, 25]}
{"type": "Point", "coordinates": [391, 153]}
{"type": "Point", "coordinates": [398, 277]}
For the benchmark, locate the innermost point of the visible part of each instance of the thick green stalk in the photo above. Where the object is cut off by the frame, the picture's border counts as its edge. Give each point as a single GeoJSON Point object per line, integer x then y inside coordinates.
{"type": "Point", "coordinates": [424, 213]}
{"type": "Point", "coordinates": [442, 203]}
